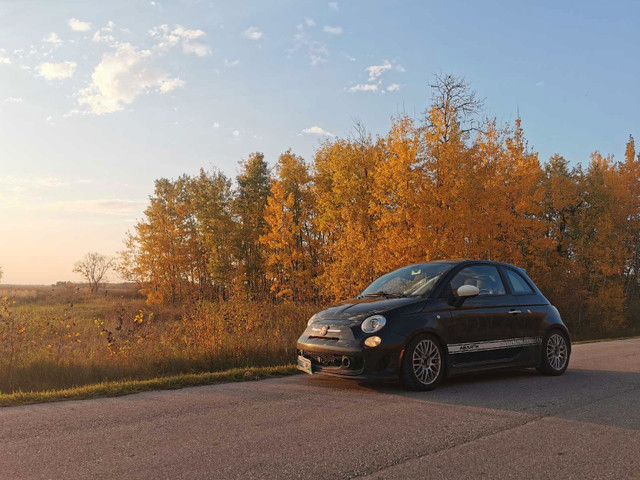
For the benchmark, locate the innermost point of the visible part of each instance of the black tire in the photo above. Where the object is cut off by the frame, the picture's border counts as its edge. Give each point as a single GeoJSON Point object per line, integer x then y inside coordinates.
{"type": "Point", "coordinates": [553, 361]}
{"type": "Point", "coordinates": [421, 357]}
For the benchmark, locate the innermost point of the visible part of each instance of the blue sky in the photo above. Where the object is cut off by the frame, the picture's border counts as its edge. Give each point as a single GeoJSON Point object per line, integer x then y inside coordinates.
{"type": "Point", "coordinates": [98, 99]}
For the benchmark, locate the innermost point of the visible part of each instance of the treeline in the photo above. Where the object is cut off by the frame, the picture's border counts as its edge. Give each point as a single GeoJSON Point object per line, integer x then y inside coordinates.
{"type": "Point", "coordinates": [449, 185]}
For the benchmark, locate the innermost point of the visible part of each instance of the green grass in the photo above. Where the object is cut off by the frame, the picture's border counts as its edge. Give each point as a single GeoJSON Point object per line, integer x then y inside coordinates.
{"type": "Point", "coordinates": [127, 387]}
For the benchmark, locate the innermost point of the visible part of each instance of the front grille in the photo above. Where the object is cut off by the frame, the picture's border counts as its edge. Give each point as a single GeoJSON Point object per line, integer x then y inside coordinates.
{"type": "Point", "coordinates": [333, 360]}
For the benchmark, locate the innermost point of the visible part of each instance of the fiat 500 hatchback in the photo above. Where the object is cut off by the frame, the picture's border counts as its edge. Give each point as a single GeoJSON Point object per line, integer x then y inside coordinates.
{"type": "Point", "coordinates": [424, 322]}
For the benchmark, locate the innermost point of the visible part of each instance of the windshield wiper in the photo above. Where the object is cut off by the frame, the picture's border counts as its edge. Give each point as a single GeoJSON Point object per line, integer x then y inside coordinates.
{"type": "Point", "coordinates": [384, 294]}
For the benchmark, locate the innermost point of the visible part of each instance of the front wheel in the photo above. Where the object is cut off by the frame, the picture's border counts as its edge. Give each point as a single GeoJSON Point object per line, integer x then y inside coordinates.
{"type": "Point", "coordinates": [423, 364]}
{"type": "Point", "coordinates": [555, 353]}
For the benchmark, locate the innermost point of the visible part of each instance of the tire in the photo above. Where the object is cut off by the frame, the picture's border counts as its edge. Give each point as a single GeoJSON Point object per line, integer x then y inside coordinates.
{"type": "Point", "coordinates": [423, 364]}
{"type": "Point", "coordinates": [555, 353]}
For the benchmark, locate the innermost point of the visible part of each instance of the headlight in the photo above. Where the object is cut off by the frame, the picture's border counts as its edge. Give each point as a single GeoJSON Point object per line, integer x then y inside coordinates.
{"type": "Point", "coordinates": [311, 320]}
{"type": "Point", "coordinates": [373, 324]}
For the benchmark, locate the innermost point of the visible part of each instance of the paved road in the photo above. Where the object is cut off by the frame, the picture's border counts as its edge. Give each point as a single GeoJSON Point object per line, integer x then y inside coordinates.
{"type": "Point", "coordinates": [585, 424]}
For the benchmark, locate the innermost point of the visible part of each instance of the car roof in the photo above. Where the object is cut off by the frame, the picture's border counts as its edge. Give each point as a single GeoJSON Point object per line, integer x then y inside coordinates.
{"type": "Point", "coordinates": [466, 261]}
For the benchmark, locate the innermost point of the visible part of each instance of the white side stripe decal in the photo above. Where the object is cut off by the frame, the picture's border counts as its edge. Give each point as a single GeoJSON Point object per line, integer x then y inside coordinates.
{"type": "Point", "coordinates": [493, 345]}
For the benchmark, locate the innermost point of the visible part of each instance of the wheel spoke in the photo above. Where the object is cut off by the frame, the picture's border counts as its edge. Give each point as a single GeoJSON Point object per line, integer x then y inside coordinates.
{"type": "Point", "coordinates": [426, 361]}
{"type": "Point", "coordinates": [557, 351]}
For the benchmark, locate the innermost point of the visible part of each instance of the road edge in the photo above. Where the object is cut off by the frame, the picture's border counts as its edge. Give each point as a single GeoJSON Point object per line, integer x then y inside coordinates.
{"type": "Point", "coordinates": [128, 387]}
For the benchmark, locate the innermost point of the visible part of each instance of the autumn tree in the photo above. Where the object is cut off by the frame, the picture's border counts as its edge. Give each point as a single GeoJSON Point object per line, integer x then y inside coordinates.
{"type": "Point", "coordinates": [183, 246]}
{"type": "Point", "coordinates": [94, 268]}
{"type": "Point", "coordinates": [249, 208]}
{"type": "Point", "coordinates": [290, 242]}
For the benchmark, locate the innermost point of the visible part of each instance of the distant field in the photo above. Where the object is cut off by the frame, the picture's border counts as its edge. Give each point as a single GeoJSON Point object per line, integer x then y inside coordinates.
{"type": "Point", "coordinates": [62, 336]}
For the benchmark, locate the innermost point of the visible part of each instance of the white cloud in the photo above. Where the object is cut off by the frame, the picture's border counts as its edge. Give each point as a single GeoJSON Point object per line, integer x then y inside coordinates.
{"type": "Point", "coordinates": [253, 33]}
{"type": "Point", "coordinates": [105, 34]}
{"type": "Point", "coordinates": [540, 84]}
{"type": "Point", "coordinates": [333, 6]}
{"type": "Point", "coordinates": [364, 87]}
{"type": "Point", "coordinates": [316, 130]}
{"type": "Point", "coordinates": [121, 76]}
{"type": "Point", "coordinates": [310, 22]}
{"type": "Point", "coordinates": [231, 63]}
{"type": "Point", "coordinates": [79, 26]}
{"type": "Point", "coordinates": [56, 71]}
{"type": "Point", "coordinates": [4, 60]}
{"type": "Point", "coordinates": [376, 70]}
{"type": "Point", "coordinates": [13, 100]}
{"type": "Point", "coordinates": [393, 87]}
{"type": "Point", "coordinates": [236, 133]}
{"type": "Point", "coordinates": [52, 38]}
{"type": "Point", "coordinates": [216, 124]}
{"type": "Point", "coordinates": [332, 30]}
{"type": "Point", "coordinates": [191, 40]}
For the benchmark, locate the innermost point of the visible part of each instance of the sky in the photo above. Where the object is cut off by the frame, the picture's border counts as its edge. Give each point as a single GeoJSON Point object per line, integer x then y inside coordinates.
{"type": "Point", "coordinates": [99, 99]}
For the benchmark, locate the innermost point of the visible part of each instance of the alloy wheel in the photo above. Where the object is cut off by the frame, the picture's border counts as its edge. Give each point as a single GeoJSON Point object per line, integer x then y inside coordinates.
{"type": "Point", "coordinates": [557, 351]}
{"type": "Point", "coordinates": [426, 361]}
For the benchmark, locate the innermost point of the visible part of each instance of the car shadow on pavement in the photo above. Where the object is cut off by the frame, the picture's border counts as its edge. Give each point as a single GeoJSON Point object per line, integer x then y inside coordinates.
{"type": "Point", "coordinates": [594, 396]}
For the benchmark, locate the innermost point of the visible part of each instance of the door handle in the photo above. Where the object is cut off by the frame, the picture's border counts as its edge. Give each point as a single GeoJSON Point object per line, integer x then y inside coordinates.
{"type": "Point", "coordinates": [514, 312]}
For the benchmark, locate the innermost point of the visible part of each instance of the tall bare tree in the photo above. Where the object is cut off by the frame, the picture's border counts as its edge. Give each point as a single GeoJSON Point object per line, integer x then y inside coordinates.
{"type": "Point", "coordinates": [94, 268]}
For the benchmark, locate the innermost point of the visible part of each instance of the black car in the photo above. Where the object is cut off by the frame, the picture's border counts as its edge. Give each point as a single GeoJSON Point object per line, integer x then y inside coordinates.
{"type": "Point", "coordinates": [424, 322]}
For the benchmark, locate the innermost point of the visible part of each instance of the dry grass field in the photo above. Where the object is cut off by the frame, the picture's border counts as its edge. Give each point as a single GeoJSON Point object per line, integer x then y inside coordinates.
{"type": "Point", "coordinates": [62, 336]}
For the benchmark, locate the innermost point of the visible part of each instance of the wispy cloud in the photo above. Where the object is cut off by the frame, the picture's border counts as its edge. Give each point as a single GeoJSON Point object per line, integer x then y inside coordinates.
{"type": "Point", "coordinates": [236, 133]}
{"type": "Point", "coordinates": [316, 130]}
{"type": "Point", "coordinates": [393, 87]}
{"type": "Point", "coordinates": [52, 38]}
{"type": "Point", "coordinates": [105, 34]}
{"type": "Point", "coordinates": [333, 6]}
{"type": "Point", "coordinates": [376, 70]}
{"type": "Point", "coordinates": [332, 30]}
{"type": "Point", "coordinates": [13, 100]}
{"type": "Point", "coordinates": [18, 183]}
{"type": "Point", "coordinates": [364, 87]}
{"type": "Point", "coordinates": [317, 52]}
{"type": "Point", "coordinates": [253, 33]}
{"type": "Point", "coordinates": [116, 207]}
{"type": "Point", "coordinates": [310, 22]}
{"type": "Point", "coordinates": [190, 40]}
{"type": "Point", "coordinates": [78, 25]}
{"type": "Point", "coordinates": [56, 71]}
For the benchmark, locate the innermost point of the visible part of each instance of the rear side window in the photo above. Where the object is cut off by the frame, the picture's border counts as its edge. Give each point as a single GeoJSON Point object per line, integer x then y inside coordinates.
{"type": "Point", "coordinates": [518, 284]}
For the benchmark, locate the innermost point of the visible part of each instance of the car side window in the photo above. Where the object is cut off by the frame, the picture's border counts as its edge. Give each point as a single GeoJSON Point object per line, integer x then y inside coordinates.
{"type": "Point", "coordinates": [485, 277]}
{"type": "Point", "coordinates": [518, 284]}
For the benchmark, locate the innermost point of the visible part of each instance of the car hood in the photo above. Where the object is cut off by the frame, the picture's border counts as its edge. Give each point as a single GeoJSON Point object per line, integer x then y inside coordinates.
{"type": "Point", "coordinates": [357, 309]}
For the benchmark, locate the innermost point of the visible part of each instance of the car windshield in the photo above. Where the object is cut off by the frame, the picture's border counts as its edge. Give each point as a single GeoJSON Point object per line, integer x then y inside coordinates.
{"type": "Point", "coordinates": [411, 281]}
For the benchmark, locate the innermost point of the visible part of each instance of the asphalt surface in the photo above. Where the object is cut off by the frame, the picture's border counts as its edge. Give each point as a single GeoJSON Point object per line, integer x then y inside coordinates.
{"type": "Point", "coordinates": [584, 424]}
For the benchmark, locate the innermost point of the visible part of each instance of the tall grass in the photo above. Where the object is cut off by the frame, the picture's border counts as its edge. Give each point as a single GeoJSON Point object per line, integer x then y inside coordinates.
{"type": "Point", "coordinates": [73, 339]}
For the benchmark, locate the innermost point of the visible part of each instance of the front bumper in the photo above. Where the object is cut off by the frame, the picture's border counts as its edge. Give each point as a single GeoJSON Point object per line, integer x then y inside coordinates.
{"type": "Point", "coordinates": [344, 353]}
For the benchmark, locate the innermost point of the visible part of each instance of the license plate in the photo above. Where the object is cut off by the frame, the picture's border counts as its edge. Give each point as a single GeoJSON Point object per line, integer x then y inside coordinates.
{"type": "Point", "coordinates": [304, 364]}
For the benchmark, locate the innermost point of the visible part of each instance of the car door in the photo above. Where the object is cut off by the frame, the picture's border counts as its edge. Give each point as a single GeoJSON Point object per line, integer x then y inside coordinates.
{"type": "Point", "coordinates": [529, 319]}
{"type": "Point", "coordinates": [480, 327]}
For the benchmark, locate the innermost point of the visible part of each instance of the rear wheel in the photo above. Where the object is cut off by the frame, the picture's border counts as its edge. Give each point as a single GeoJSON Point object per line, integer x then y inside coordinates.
{"type": "Point", "coordinates": [423, 364]}
{"type": "Point", "coordinates": [555, 353]}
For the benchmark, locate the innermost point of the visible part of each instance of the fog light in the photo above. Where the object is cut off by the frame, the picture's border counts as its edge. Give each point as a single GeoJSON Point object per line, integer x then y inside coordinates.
{"type": "Point", "coordinates": [373, 341]}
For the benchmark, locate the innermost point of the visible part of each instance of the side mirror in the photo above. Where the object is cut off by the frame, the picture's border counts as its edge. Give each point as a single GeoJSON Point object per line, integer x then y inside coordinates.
{"type": "Point", "coordinates": [464, 292]}
{"type": "Point", "coordinates": [468, 291]}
